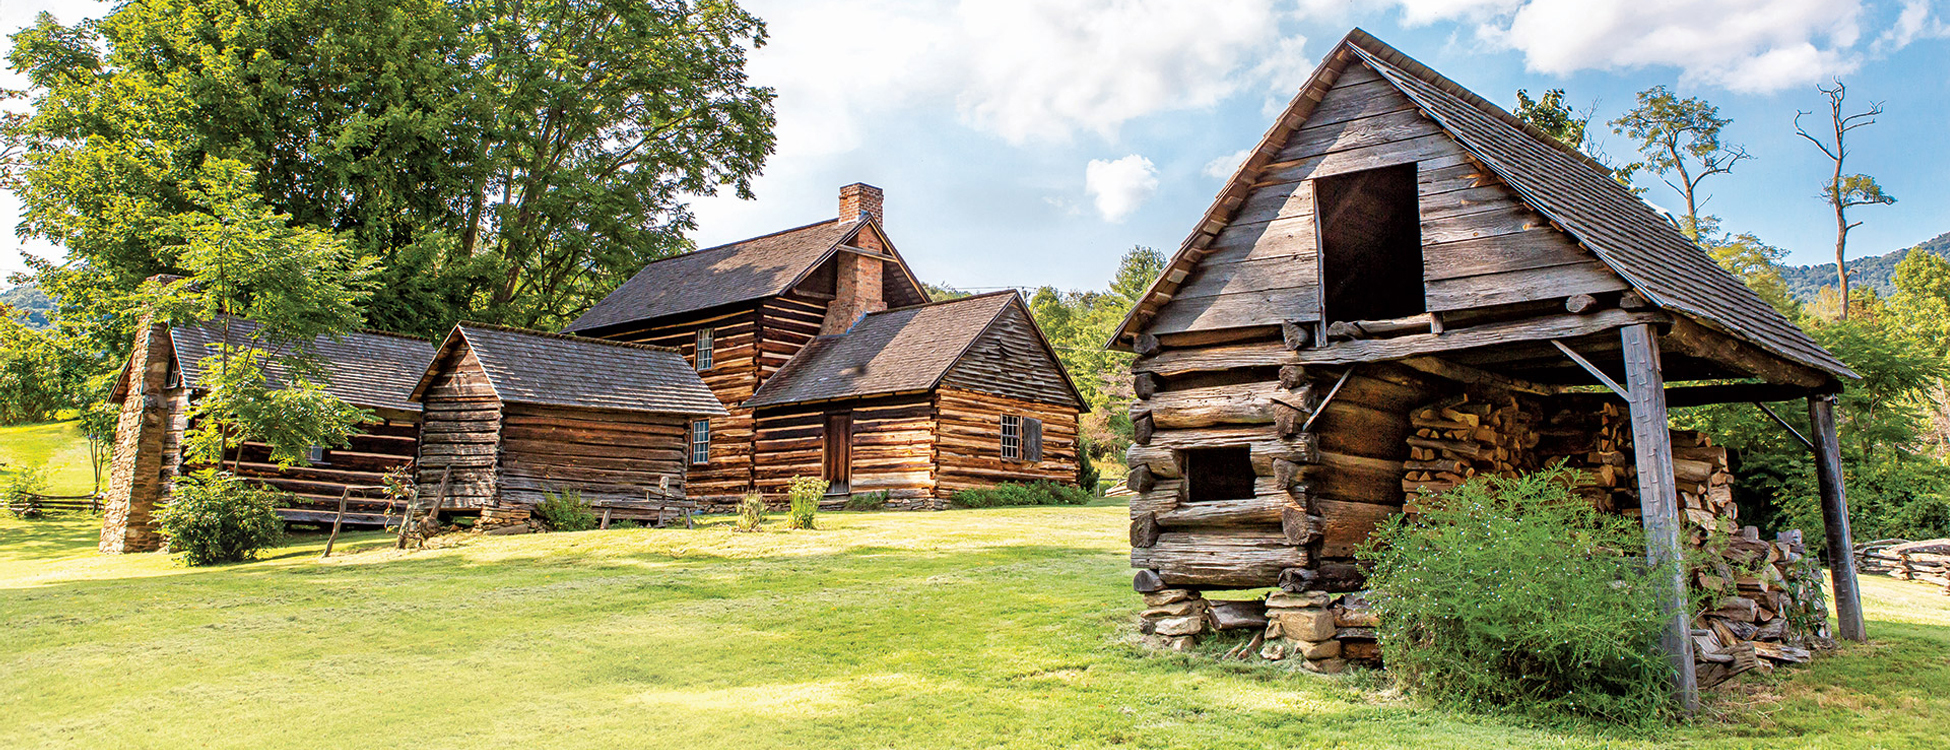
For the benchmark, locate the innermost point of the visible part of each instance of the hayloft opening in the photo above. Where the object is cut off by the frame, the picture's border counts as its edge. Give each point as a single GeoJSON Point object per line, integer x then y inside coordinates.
{"type": "Point", "coordinates": [1218, 474]}
{"type": "Point", "coordinates": [1370, 244]}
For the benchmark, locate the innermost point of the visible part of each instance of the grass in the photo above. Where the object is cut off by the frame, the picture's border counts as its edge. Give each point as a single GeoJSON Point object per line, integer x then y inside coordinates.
{"type": "Point", "coordinates": [59, 447]}
{"type": "Point", "coordinates": [986, 628]}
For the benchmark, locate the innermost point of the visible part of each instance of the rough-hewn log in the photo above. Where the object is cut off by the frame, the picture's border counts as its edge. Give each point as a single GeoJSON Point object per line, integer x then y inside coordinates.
{"type": "Point", "coordinates": [1147, 582]}
{"type": "Point", "coordinates": [1221, 358]}
{"type": "Point", "coordinates": [1141, 428]}
{"type": "Point", "coordinates": [1659, 502]}
{"type": "Point", "coordinates": [1292, 376]}
{"type": "Point", "coordinates": [1144, 529]}
{"type": "Point", "coordinates": [1144, 384]}
{"type": "Point", "coordinates": [1247, 403]}
{"type": "Point", "coordinates": [1243, 559]}
{"type": "Point", "coordinates": [1296, 335]}
{"type": "Point", "coordinates": [1233, 615]}
{"type": "Point", "coordinates": [1579, 304]}
{"type": "Point", "coordinates": [1303, 448]}
{"type": "Point", "coordinates": [1834, 517]}
{"type": "Point", "coordinates": [1140, 478]}
{"type": "Point", "coordinates": [1699, 341]}
{"type": "Point", "coordinates": [1299, 527]}
{"type": "Point", "coordinates": [1330, 577]}
{"type": "Point", "coordinates": [1264, 509]}
{"type": "Point", "coordinates": [1146, 345]}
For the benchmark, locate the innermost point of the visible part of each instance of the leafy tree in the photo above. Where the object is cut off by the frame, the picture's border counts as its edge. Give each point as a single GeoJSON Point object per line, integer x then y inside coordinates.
{"type": "Point", "coordinates": [1549, 113]}
{"type": "Point", "coordinates": [1843, 191]}
{"type": "Point", "coordinates": [273, 288]}
{"type": "Point", "coordinates": [1136, 271]}
{"type": "Point", "coordinates": [1756, 263]}
{"type": "Point", "coordinates": [512, 160]}
{"type": "Point", "coordinates": [1679, 140]}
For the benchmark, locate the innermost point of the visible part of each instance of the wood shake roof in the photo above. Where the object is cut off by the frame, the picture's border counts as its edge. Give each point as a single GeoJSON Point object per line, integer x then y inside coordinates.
{"type": "Point", "coordinates": [1568, 187]}
{"type": "Point", "coordinates": [533, 367]}
{"type": "Point", "coordinates": [367, 369]}
{"type": "Point", "coordinates": [903, 350]}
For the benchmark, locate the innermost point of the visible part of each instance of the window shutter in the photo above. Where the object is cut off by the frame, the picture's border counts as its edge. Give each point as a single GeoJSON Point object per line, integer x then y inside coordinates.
{"type": "Point", "coordinates": [1032, 439]}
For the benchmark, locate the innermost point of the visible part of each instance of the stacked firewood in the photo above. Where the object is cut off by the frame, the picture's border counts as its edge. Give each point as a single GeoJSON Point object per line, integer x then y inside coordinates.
{"type": "Point", "coordinates": [1596, 446]}
{"type": "Point", "coordinates": [1757, 621]}
{"type": "Point", "coordinates": [1463, 436]}
{"type": "Point", "coordinates": [1705, 485]}
{"type": "Point", "coordinates": [1927, 561]}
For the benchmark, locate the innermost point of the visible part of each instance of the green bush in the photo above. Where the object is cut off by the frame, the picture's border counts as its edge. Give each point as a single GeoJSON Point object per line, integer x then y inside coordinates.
{"type": "Point", "coordinates": [216, 517]}
{"type": "Point", "coordinates": [1514, 594]}
{"type": "Point", "coordinates": [18, 488]}
{"type": "Point", "coordinates": [751, 512]}
{"type": "Point", "coordinates": [1087, 473]}
{"type": "Point", "coordinates": [805, 494]}
{"type": "Point", "coordinates": [1014, 493]}
{"type": "Point", "coordinates": [565, 512]}
{"type": "Point", "coordinates": [868, 500]}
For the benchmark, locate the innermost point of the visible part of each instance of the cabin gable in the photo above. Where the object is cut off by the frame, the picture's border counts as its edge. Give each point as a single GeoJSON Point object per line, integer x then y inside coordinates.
{"type": "Point", "coordinates": [1480, 245]}
{"type": "Point", "coordinates": [1010, 359]}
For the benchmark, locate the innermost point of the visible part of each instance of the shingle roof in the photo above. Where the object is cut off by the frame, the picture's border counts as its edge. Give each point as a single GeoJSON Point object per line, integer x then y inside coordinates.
{"type": "Point", "coordinates": [896, 351]}
{"type": "Point", "coordinates": [367, 369]}
{"type": "Point", "coordinates": [533, 367]}
{"type": "Point", "coordinates": [1568, 187]}
{"type": "Point", "coordinates": [745, 270]}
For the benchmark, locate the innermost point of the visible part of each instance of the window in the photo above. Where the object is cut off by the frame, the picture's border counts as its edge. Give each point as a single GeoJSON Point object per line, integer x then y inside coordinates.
{"type": "Point", "coordinates": [1370, 244]}
{"type": "Point", "coordinates": [1022, 438]}
{"type": "Point", "coordinates": [315, 454]}
{"type": "Point", "coordinates": [700, 441]}
{"type": "Point", "coordinates": [705, 337]}
{"type": "Point", "coordinates": [1217, 474]}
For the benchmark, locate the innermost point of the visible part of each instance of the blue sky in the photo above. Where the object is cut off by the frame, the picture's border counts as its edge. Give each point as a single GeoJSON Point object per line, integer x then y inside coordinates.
{"type": "Point", "coordinates": [1028, 143]}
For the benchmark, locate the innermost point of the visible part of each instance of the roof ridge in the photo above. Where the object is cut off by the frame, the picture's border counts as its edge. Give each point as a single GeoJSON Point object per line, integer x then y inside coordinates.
{"type": "Point", "coordinates": [1367, 42]}
{"type": "Point", "coordinates": [567, 337]}
{"type": "Point", "coordinates": [932, 303]}
{"type": "Point", "coordinates": [736, 243]}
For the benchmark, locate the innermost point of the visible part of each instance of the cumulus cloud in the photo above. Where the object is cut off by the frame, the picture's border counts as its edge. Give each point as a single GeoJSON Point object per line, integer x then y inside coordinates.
{"type": "Point", "coordinates": [1119, 187]}
{"type": "Point", "coordinates": [1740, 45]}
{"type": "Point", "coordinates": [1224, 166]}
{"type": "Point", "coordinates": [1917, 21]}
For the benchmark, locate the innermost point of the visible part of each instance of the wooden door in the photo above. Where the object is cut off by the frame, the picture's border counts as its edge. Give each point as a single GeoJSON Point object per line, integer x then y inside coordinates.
{"type": "Point", "coordinates": [839, 451]}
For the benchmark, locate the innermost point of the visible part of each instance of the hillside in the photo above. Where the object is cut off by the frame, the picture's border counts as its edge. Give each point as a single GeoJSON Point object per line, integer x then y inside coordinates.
{"type": "Point", "coordinates": [29, 298]}
{"type": "Point", "coordinates": [1877, 271]}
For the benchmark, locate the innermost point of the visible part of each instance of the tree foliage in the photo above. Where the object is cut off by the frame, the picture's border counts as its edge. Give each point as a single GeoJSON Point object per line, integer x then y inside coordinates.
{"type": "Point", "coordinates": [1679, 140]}
{"type": "Point", "coordinates": [508, 160]}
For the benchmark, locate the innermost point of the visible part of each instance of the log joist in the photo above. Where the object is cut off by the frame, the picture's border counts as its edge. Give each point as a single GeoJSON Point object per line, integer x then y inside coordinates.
{"type": "Point", "coordinates": [1239, 559]}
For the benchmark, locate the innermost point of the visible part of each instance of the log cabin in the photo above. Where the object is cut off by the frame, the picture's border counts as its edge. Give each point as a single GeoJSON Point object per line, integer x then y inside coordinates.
{"type": "Point", "coordinates": [860, 379]}
{"type": "Point", "coordinates": [1395, 251]}
{"type": "Point", "coordinates": [514, 415]}
{"type": "Point", "coordinates": [370, 370]}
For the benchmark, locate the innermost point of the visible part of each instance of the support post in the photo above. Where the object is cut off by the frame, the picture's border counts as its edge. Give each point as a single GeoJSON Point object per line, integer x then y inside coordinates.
{"type": "Point", "coordinates": [1834, 517]}
{"type": "Point", "coordinates": [1659, 501]}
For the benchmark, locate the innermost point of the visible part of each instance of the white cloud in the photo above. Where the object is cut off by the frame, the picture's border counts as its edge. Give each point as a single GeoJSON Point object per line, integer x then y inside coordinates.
{"type": "Point", "coordinates": [1120, 187]}
{"type": "Point", "coordinates": [1224, 166]}
{"type": "Point", "coordinates": [1917, 21]}
{"type": "Point", "coordinates": [1740, 45]}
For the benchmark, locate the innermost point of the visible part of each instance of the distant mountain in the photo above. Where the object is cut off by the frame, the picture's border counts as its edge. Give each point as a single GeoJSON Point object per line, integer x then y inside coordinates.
{"type": "Point", "coordinates": [1877, 271]}
{"type": "Point", "coordinates": [29, 298]}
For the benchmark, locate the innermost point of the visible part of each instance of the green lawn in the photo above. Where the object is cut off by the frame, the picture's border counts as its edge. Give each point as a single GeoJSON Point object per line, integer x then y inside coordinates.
{"type": "Point", "coordinates": [991, 628]}
{"type": "Point", "coordinates": [58, 447]}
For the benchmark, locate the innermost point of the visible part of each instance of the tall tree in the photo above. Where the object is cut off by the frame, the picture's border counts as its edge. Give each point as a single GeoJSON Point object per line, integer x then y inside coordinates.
{"type": "Point", "coordinates": [1136, 271]}
{"type": "Point", "coordinates": [1843, 191]}
{"type": "Point", "coordinates": [504, 159]}
{"type": "Point", "coordinates": [1679, 140]}
{"type": "Point", "coordinates": [1558, 119]}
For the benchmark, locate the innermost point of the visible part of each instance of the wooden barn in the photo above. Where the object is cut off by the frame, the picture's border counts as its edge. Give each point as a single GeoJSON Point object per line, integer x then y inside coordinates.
{"type": "Point", "coordinates": [374, 371]}
{"type": "Point", "coordinates": [1404, 286]}
{"type": "Point", "coordinates": [899, 399]}
{"type": "Point", "coordinates": [514, 414]}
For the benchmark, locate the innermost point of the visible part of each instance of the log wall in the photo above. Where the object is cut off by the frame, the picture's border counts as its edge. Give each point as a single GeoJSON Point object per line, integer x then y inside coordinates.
{"type": "Point", "coordinates": [609, 456]}
{"type": "Point", "coordinates": [892, 445]}
{"type": "Point", "coordinates": [968, 446]}
{"type": "Point", "coordinates": [460, 428]}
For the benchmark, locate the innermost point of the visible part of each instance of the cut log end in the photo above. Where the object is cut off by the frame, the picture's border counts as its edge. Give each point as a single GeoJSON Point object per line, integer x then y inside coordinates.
{"type": "Point", "coordinates": [1296, 336]}
{"type": "Point", "coordinates": [1147, 582]}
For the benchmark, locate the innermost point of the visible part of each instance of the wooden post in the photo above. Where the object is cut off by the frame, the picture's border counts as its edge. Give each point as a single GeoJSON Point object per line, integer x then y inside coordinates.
{"type": "Point", "coordinates": [1659, 501]}
{"type": "Point", "coordinates": [336, 520]}
{"type": "Point", "coordinates": [1834, 517]}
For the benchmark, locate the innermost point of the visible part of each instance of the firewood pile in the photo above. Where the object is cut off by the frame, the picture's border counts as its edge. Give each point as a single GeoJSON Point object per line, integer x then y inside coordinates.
{"type": "Point", "coordinates": [1460, 437]}
{"type": "Point", "coordinates": [1927, 561]}
{"type": "Point", "coordinates": [1762, 588]}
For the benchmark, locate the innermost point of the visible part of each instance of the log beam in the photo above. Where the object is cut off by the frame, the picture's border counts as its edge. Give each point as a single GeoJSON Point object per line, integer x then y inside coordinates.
{"type": "Point", "coordinates": [1834, 517]}
{"type": "Point", "coordinates": [1659, 502]}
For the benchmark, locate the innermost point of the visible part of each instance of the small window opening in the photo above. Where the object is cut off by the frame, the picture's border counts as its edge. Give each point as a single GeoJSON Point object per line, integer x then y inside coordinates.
{"type": "Point", "coordinates": [1218, 474]}
{"type": "Point", "coordinates": [1370, 244]}
{"type": "Point", "coordinates": [705, 339]}
{"type": "Point", "coordinates": [700, 441]}
{"type": "Point", "coordinates": [315, 455]}
{"type": "Point", "coordinates": [1011, 437]}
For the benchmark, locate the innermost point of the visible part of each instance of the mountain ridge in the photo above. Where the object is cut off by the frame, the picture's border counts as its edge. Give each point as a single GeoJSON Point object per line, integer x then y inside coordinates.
{"type": "Point", "coordinates": [1874, 271]}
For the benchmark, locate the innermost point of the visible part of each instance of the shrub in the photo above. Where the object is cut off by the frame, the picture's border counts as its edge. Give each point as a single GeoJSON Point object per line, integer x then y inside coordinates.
{"type": "Point", "coordinates": [216, 517]}
{"type": "Point", "coordinates": [1514, 594]}
{"type": "Point", "coordinates": [1014, 493]}
{"type": "Point", "coordinates": [565, 512]}
{"type": "Point", "coordinates": [751, 512]}
{"type": "Point", "coordinates": [868, 500]}
{"type": "Point", "coordinates": [1087, 473]}
{"type": "Point", "coordinates": [18, 488]}
{"type": "Point", "coordinates": [805, 494]}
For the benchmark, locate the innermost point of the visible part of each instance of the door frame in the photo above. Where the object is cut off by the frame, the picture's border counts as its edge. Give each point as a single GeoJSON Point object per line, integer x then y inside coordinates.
{"type": "Point", "coordinates": [836, 464]}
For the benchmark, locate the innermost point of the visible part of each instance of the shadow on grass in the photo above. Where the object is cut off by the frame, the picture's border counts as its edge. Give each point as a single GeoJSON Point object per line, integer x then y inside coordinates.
{"type": "Point", "coordinates": [54, 536]}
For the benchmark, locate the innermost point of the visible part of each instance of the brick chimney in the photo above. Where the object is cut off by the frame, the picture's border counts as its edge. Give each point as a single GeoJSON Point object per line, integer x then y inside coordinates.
{"type": "Point", "coordinates": [856, 288]}
{"type": "Point", "coordinates": [860, 198]}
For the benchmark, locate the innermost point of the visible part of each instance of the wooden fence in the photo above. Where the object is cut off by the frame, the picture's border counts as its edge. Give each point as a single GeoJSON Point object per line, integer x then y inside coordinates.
{"type": "Point", "coordinates": [36, 504]}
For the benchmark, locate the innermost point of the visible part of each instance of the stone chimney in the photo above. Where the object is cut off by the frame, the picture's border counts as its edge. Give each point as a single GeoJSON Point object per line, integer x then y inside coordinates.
{"type": "Point", "coordinates": [856, 287]}
{"type": "Point", "coordinates": [860, 198]}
